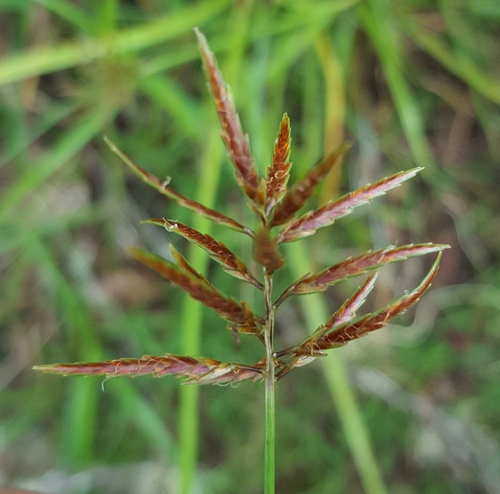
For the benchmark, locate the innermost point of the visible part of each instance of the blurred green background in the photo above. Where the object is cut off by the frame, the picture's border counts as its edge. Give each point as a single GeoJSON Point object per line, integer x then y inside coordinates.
{"type": "Point", "coordinates": [411, 83]}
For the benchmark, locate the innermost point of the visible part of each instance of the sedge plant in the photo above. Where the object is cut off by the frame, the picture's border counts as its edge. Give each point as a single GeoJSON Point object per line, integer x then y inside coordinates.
{"type": "Point", "coordinates": [277, 207]}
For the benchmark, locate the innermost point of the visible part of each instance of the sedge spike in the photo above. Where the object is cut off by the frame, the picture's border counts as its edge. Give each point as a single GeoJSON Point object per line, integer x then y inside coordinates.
{"type": "Point", "coordinates": [277, 207]}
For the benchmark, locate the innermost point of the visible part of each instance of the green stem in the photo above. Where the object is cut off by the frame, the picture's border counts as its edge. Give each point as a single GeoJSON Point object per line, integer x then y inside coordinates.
{"type": "Point", "coordinates": [269, 455]}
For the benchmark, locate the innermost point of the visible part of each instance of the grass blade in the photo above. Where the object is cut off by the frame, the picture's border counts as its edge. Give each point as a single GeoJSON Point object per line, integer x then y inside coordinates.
{"type": "Point", "coordinates": [58, 156]}
{"type": "Point", "coordinates": [70, 54]}
{"type": "Point", "coordinates": [315, 313]}
{"type": "Point", "coordinates": [375, 17]}
{"type": "Point", "coordinates": [192, 315]}
{"type": "Point", "coordinates": [461, 66]}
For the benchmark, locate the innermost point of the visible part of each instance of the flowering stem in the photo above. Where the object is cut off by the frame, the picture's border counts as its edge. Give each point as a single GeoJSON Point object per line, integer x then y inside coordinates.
{"type": "Point", "coordinates": [269, 456]}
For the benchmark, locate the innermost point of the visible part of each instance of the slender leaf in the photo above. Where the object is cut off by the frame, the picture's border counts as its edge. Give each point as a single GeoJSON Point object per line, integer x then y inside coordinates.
{"type": "Point", "coordinates": [70, 54]}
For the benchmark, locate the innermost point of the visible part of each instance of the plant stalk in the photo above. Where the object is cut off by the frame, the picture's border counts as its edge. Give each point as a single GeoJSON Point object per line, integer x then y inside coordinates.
{"type": "Point", "coordinates": [270, 384]}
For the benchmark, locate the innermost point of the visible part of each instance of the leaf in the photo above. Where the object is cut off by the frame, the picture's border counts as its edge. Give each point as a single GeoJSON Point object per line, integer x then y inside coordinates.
{"type": "Point", "coordinates": [198, 370]}
{"type": "Point", "coordinates": [266, 252]}
{"type": "Point", "coordinates": [236, 142]}
{"type": "Point", "coordinates": [355, 266]}
{"type": "Point", "coordinates": [166, 190]}
{"type": "Point", "coordinates": [342, 334]}
{"type": "Point", "coordinates": [237, 312]}
{"type": "Point", "coordinates": [230, 262]}
{"type": "Point", "coordinates": [279, 172]}
{"type": "Point", "coordinates": [297, 196]}
{"type": "Point", "coordinates": [326, 215]}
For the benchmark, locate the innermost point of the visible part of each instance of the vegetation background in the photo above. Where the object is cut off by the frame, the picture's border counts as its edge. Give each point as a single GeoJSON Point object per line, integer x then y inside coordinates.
{"type": "Point", "coordinates": [409, 82]}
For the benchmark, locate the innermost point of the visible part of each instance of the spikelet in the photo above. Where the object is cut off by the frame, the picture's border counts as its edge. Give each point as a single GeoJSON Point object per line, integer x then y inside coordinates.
{"type": "Point", "coordinates": [199, 370]}
{"type": "Point", "coordinates": [236, 312]}
{"type": "Point", "coordinates": [298, 195]}
{"type": "Point", "coordinates": [341, 329]}
{"type": "Point", "coordinates": [326, 215]}
{"type": "Point", "coordinates": [355, 266]}
{"type": "Point", "coordinates": [279, 171]}
{"type": "Point", "coordinates": [236, 142]}
{"type": "Point", "coordinates": [229, 261]}
{"type": "Point", "coordinates": [266, 251]}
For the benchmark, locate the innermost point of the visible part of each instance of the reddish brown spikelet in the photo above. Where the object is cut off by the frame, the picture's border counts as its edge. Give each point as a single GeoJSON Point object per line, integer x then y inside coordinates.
{"type": "Point", "coordinates": [237, 312]}
{"type": "Point", "coordinates": [236, 142]}
{"type": "Point", "coordinates": [344, 314]}
{"type": "Point", "coordinates": [164, 189]}
{"type": "Point", "coordinates": [348, 309]}
{"type": "Point", "coordinates": [343, 332]}
{"type": "Point", "coordinates": [230, 262]}
{"type": "Point", "coordinates": [356, 266]}
{"type": "Point", "coordinates": [184, 264]}
{"type": "Point", "coordinates": [266, 252]}
{"type": "Point", "coordinates": [279, 173]}
{"type": "Point", "coordinates": [198, 370]}
{"type": "Point", "coordinates": [297, 196]}
{"type": "Point", "coordinates": [326, 215]}
{"type": "Point", "coordinates": [371, 322]}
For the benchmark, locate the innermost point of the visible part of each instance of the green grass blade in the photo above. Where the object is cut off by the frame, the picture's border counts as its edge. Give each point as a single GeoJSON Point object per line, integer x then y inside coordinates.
{"type": "Point", "coordinates": [69, 12]}
{"type": "Point", "coordinates": [462, 66]}
{"type": "Point", "coordinates": [50, 119]}
{"type": "Point", "coordinates": [54, 159]}
{"type": "Point", "coordinates": [166, 94]}
{"type": "Point", "coordinates": [80, 412]}
{"type": "Point", "coordinates": [65, 55]}
{"type": "Point", "coordinates": [106, 12]}
{"type": "Point", "coordinates": [192, 312]}
{"type": "Point", "coordinates": [376, 21]}
{"type": "Point", "coordinates": [148, 421]}
{"type": "Point", "coordinates": [316, 313]}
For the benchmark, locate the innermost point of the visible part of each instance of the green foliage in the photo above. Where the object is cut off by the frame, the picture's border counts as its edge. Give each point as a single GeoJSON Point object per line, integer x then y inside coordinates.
{"type": "Point", "coordinates": [417, 81]}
